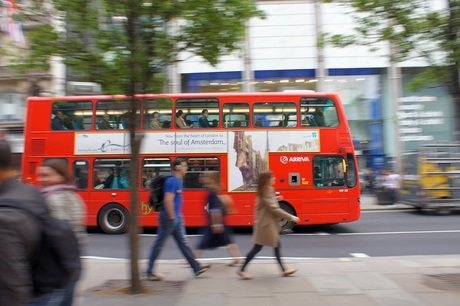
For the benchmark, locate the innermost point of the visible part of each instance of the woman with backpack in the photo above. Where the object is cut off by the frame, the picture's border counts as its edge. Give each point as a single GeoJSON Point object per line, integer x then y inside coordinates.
{"type": "Point", "coordinates": [64, 204]}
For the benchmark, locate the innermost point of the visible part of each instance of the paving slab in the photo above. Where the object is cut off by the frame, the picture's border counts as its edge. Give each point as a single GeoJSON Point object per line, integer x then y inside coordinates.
{"type": "Point", "coordinates": [319, 281]}
{"type": "Point", "coordinates": [440, 298]}
{"type": "Point", "coordinates": [411, 282]}
{"type": "Point", "coordinates": [348, 300]}
{"type": "Point", "coordinates": [334, 285]}
{"type": "Point", "coordinates": [371, 281]}
{"type": "Point", "coordinates": [394, 297]}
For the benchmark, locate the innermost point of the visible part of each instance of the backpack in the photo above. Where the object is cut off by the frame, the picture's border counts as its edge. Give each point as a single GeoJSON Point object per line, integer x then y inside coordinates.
{"type": "Point", "coordinates": [156, 195]}
{"type": "Point", "coordinates": [57, 258]}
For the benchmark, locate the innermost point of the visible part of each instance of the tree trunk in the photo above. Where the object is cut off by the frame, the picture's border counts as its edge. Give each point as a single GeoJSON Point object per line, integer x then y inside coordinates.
{"type": "Point", "coordinates": [136, 141]}
{"type": "Point", "coordinates": [132, 28]}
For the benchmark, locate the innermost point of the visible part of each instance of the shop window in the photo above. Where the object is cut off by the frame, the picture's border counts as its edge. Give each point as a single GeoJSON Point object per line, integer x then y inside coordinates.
{"type": "Point", "coordinates": [11, 106]}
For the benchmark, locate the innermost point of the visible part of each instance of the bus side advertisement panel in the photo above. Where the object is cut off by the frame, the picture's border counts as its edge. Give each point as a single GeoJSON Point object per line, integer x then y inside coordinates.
{"type": "Point", "coordinates": [248, 155]}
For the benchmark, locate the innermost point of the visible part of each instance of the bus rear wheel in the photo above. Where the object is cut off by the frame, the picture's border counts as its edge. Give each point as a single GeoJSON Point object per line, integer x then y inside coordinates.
{"type": "Point", "coordinates": [113, 219]}
{"type": "Point", "coordinates": [285, 224]}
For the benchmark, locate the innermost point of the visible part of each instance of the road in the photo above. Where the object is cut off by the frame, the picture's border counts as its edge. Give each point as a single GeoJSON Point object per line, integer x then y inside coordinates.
{"type": "Point", "coordinates": [379, 233]}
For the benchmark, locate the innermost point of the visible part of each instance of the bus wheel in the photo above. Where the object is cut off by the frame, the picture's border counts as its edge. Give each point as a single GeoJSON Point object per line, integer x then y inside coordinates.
{"type": "Point", "coordinates": [113, 219]}
{"type": "Point", "coordinates": [287, 225]}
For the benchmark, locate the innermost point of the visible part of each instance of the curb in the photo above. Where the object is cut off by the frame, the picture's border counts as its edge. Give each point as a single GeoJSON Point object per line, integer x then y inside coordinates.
{"type": "Point", "coordinates": [377, 207]}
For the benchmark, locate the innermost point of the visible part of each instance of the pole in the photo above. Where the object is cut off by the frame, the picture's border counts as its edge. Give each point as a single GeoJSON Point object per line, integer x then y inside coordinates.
{"type": "Point", "coordinates": [395, 84]}
{"type": "Point", "coordinates": [248, 74]}
{"type": "Point", "coordinates": [321, 70]}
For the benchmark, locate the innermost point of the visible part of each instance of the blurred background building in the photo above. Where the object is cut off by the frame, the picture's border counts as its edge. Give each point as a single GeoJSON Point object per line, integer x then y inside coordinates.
{"type": "Point", "coordinates": [280, 53]}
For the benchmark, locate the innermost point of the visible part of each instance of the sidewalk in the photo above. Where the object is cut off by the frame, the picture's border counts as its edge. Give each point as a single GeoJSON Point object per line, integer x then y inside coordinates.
{"type": "Point", "coordinates": [369, 203]}
{"type": "Point", "coordinates": [389, 281]}
{"type": "Point", "coordinates": [384, 281]}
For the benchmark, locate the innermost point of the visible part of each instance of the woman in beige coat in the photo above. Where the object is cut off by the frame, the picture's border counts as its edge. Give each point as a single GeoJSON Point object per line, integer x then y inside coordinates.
{"type": "Point", "coordinates": [266, 225]}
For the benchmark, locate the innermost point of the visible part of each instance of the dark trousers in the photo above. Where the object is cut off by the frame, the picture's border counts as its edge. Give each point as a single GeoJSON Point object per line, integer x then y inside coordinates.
{"type": "Point", "coordinates": [256, 249]}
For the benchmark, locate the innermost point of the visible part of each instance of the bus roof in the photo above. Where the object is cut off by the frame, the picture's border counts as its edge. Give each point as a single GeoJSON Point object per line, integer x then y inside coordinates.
{"type": "Point", "coordinates": [193, 95]}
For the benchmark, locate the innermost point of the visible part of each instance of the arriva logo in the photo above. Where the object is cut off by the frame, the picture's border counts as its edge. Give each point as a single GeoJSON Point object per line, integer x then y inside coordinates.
{"type": "Point", "coordinates": [294, 159]}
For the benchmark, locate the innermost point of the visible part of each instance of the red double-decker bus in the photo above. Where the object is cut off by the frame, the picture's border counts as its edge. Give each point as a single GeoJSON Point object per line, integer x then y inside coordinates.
{"type": "Point", "coordinates": [302, 136]}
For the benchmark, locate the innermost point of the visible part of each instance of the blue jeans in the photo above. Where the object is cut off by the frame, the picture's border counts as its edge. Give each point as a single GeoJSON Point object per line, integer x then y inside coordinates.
{"type": "Point", "coordinates": [58, 297]}
{"type": "Point", "coordinates": [175, 228]}
{"type": "Point", "coordinates": [68, 294]}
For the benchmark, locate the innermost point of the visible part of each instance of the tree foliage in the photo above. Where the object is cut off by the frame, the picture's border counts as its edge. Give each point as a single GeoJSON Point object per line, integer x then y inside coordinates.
{"type": "Point", "coordinates": [125, 45]}
{"type": "Point", "coordinates": [429, 30]}
{"type": "Point", "coordinates": [93, 37]}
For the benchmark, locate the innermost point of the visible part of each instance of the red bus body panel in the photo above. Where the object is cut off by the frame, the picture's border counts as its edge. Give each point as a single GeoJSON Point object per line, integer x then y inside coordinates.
{"type": "Point", "coordinates": [312, 205]}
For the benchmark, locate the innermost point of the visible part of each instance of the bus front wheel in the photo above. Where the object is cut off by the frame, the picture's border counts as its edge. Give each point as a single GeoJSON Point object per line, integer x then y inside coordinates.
{"type": "Point", "coordinates": [285, 224]}
{"type": "Point", "coordinates": [113, 219]}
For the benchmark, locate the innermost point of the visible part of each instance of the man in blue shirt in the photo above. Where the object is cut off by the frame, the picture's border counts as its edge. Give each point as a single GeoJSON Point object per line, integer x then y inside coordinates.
{"type": "Point", "coordinates": [171, 222]}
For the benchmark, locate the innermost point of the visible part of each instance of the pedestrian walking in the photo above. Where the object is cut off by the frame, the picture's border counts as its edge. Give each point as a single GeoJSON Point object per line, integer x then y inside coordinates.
{"type": "Point", "coordinates": [369, 180]}
{"type": "Point", "coordinates": [392, 184]}
{"type": "Point", "coordinates": [64, 204]}
{"type": "Point", "coordinates": [171, 222]}
{"type": "Point", "coordinates": [217, 233]}
{"type": "Point", "coordinates": [40, 256]}
{"type": "Point", "coordinates": [19, 233]}
{"type": "Point", "coordinates": [266, 224]}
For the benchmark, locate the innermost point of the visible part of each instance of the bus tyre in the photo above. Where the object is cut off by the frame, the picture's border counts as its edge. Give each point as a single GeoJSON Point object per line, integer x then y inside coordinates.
{"type": "Point", "coordinates": [113, 219]}
{"type": "Point", "coordinates": [286, 226]}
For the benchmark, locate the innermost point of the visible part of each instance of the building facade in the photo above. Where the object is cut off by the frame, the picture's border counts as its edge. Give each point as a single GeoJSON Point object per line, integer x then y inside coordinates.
{"type": "Point", "coordinates": [280, 53]}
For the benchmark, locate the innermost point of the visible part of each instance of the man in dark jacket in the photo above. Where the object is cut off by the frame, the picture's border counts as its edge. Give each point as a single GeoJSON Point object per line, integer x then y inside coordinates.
{"type": "Point", "coordinates": [24, 217]}
{"type": "Point", "coordinates": [19, 234]}
{"type": "Point", "coordinates": [57, 123]}
{"type": "Point", "coordinates": [203, 121]}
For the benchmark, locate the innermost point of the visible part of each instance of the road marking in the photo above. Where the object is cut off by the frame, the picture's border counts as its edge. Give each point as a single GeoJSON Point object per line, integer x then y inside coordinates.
{"type": "Point", "coordinates": [311, 234]}
{"type": "Point", "coordinates": [392, 210]}
{"type": "Point", "coordinates": [155, 235]}
{"type": "Point", "coordinates": [398, 233]}
{"type": "Point", "coordinates": [359, 255]}
{"type": "Point", "coordinates": [103, 258]}
{"type": "Point", "coordinates": [343, 234]}
{"type": "Point", "coordinates": [180, 260]}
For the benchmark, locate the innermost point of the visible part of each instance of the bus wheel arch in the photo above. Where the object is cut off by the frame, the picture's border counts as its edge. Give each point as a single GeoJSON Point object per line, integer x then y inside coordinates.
{"type": "Point", "coordinates": [285, 224]}
{"type": "Point", "coordinates": [113, 218]}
